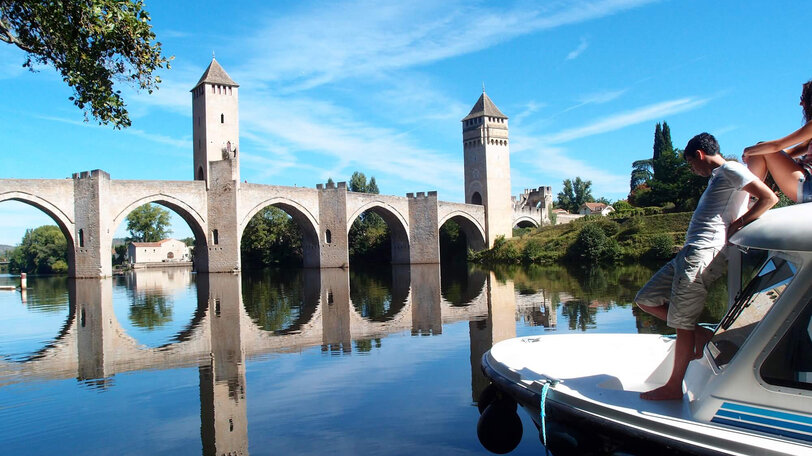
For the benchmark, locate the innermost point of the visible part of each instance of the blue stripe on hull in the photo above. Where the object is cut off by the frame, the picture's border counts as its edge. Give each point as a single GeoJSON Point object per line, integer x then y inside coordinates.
{"type": "Point", "coordinates": [753, 427]}
{"type": "Point", "coordinates": [760, 420]}
{"type": "Point", "coordinates": [766, 412]}
{"type": "Point", "coordinates": [769, 421]}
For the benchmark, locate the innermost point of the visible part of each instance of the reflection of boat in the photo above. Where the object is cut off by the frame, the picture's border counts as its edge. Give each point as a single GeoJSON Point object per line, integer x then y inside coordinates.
{"type": "Point", "coordinates": [750, 393]}
{"type": "Point", "coordinates": [7, 287]}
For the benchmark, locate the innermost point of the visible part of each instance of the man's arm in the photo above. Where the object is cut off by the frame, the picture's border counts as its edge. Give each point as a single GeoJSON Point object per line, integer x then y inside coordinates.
{"type": "Point", "coordinates": [765, 200]}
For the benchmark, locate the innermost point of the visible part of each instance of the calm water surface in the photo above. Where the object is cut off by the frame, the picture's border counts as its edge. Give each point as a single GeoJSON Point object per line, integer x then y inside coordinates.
{"type": "Point", "coordinates": [166, 361]}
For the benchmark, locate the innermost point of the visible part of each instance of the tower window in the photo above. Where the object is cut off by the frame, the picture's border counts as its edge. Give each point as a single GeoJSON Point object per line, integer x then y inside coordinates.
{"type": "Point", "coordinates": [215, 237]}
{"type": "Point", "coordinates": [222, 118]}
{"type": "Point", "coordinates": [328, 236]}
{"type": "Point", "coordinates": [81, 238]}
{"type": "Point", "coordinates": [476, 198]}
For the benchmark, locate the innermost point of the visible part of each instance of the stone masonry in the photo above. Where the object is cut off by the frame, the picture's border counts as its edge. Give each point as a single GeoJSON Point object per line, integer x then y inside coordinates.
{"type": "Point", "coordinates": [89, 207]}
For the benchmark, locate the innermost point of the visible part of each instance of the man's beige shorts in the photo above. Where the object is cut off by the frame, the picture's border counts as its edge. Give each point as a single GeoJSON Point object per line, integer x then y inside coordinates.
{"type": "Point", "coordinates": [683, 284]}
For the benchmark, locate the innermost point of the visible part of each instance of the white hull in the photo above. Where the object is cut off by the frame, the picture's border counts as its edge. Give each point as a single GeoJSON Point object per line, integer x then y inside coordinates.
{"type": "Point", "coordinates": [597, 381]}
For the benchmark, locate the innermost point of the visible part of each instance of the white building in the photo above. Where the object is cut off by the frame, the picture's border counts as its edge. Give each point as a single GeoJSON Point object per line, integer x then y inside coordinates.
{"type": "Point", "coordinates": [165, 250]}
{"type": "Point", "coordinates": [595, 209]}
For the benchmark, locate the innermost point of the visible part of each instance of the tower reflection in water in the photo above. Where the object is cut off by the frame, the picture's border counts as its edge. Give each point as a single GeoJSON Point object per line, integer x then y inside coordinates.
{"type": "Point", "coordinates": [93, 347]}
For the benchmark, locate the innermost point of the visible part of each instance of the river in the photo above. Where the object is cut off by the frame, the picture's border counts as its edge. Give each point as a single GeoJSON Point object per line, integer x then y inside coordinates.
{"type": "Point", "coordinates": [382, 362]}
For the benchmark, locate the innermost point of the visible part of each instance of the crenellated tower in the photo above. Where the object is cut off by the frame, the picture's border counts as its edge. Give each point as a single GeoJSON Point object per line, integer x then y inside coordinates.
{"type": "Point", "coordinates": [487, 166]}
{"type": "Point", "coordinates": [216, 133]}
{"type": "Point", "coordinates": [216, 122]}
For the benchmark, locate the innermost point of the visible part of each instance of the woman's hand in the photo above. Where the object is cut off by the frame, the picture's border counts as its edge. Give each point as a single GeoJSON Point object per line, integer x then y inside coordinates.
{"type": "Point", "coordinates": [758, 149]}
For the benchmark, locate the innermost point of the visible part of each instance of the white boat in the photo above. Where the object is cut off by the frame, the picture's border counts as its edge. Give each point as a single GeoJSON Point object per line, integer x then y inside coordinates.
{"type": "Point", "coordinates": [749, 394]}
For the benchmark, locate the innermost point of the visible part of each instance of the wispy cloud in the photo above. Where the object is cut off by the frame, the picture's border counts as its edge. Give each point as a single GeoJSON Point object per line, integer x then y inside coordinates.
{"type": "Point", "coordinates": [618, 121]}
{"type": "Point", "coordinates": [377, 60]}
{"type": "Point", "coordinates": [582, 46]}
{"type": "Point", "coordinates": [184, 144]}
{"type": "Point", "coordinates": [530, 108]}
{"type": "Point", "coordinates": [322, 45]}
{"type": "Point", "coordinates": [320, 129]}
{"type": "Point", "coordinates": [551, 159]}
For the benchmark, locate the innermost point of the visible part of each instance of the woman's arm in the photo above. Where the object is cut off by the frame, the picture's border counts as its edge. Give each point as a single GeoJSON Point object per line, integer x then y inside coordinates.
{"type": "Point", "coordinates": [801, 135]}
{"type": "Point", "coordinates": [798, 150]}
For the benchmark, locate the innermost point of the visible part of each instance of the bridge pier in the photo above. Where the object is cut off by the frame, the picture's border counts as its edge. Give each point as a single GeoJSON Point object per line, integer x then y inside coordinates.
{"type": "Point", "coordinates": [92, 237]}
{"type": "Point", "coordinates": [424, 230]}
{"type": "Point", "coordinates": [333, 229]}
{"type": "Point", "coordinates": [223, 237]}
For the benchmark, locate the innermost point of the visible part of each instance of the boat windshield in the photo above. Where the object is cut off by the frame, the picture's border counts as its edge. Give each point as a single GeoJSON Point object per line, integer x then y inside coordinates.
{"type": "Point", "coordinates": [755, 300]}
{"type": "Point", "coordinates": [790, 362]}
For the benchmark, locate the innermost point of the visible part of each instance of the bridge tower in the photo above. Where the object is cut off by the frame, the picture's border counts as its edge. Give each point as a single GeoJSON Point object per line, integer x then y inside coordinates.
{"type": "Point", "coordinates": [216, 133]}
{"type": "Point", "coordinates": [487, 166]}
{"type": "Point", "coordinates": [215, 122]}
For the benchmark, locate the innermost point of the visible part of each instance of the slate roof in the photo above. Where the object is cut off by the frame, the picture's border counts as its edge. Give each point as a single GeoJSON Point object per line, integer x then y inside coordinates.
{"type": "Point", "coordinates": [215, 74]}
{"type": "Point", "coordinates": [484, 107]}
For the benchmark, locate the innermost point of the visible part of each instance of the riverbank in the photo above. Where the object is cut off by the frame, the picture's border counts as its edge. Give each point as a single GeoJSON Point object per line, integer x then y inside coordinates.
{"type": "Point", "coordinates": [593, 240]}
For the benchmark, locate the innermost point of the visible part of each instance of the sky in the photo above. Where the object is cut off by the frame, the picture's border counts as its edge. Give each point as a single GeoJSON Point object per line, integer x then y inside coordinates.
{"type": "Point", "coordinates": [332, 87]}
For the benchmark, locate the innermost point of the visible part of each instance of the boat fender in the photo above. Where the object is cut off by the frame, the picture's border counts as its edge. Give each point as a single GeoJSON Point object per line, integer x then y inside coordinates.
{"type": "Point", "coordinates": [491, 394]}
{"type": "Point", "coordinates": [499, 428]}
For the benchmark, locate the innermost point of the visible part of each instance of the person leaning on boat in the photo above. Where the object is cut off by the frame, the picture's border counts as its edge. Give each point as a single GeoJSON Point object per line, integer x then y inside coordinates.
{"type": "Point", "coordinates": [677, 292]}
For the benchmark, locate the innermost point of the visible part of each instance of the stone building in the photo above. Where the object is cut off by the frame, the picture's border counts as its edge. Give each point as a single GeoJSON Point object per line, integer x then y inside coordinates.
{"type": "Point", "coordinates": [487, 166]}
{"type": "Point", "coordinates": [163, 251]}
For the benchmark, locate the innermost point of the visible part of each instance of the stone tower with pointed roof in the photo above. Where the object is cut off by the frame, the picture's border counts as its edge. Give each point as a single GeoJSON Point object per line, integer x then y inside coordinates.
{"type": "Point", "coordinates": [487, 166]}
{"type": "Point", "coordinates": [216, 122]}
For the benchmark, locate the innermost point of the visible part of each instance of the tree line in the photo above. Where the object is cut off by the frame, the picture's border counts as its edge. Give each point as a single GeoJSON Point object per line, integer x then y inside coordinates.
{"type": "Point", "coordinates": [663, 181]}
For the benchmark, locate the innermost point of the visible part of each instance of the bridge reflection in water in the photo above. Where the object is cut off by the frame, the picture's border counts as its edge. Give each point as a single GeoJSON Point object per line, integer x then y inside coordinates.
{"type": "Point", "coordinates": [93, 347]}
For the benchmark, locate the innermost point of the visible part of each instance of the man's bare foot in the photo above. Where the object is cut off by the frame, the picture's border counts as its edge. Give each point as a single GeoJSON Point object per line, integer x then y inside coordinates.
{"type": "Point", "coordinates": [663, 393]}
{"type": "Point", "coordinates": [701, 338]}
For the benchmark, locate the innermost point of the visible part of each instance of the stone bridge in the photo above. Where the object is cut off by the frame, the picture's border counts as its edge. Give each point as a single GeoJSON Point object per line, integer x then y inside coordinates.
{"type": "Point", "coordinates": [89, 207]}
{"type": "Point", "coordinates": [217, 205]}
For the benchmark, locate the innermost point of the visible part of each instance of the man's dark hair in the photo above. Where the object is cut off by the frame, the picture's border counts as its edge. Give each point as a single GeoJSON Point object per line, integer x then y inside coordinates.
{"type": "Point", "coordinates": [704, 142]}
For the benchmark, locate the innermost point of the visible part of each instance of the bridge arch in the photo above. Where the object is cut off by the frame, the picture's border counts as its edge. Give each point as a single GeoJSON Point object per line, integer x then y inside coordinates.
{"type": "Point", "coordinates": [63, 221]}
{"type": "Point", "coordinates": [474, 231]}
{"type": "Point", "coordinates": [189, 214]}
{"type": "Point", "coordinates": [525, 222]}
{"type": "Point", "coordinates": [192, 217]}
{"type": "Point", "coordinates": [304, 219]}
{"type": "Point", "coordinates": [397, 223]}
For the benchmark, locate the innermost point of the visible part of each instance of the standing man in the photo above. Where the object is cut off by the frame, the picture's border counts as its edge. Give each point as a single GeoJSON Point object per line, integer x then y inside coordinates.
{"type": "Point", "coordinates": [677, 292]}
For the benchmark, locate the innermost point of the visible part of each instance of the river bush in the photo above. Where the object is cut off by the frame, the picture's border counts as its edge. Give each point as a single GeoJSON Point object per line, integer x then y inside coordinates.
{"type": "Point", "coordinates": [627, 240]}
{"type": "Point", "coordinates": [662, 246]}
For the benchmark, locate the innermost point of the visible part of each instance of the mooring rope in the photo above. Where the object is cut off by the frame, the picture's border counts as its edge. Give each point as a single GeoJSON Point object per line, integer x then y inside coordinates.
{"type": "Point", "coordinates": [542, 405]}
{"type": "Point", "coordinates": [545, 388]}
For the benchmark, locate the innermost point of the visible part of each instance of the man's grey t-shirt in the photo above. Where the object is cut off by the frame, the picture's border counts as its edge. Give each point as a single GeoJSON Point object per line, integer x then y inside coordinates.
{"type": "Point", "coordinates": [721, 203]}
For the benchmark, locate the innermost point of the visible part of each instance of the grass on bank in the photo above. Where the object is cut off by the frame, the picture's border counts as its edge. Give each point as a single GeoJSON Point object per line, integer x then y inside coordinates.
{"type": "Point", "coordinates": [592, 240]}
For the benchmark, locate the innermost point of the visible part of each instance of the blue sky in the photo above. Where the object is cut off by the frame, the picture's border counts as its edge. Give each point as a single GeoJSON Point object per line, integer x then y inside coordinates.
{"type": "Point", "coordinates": [327, 88]}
